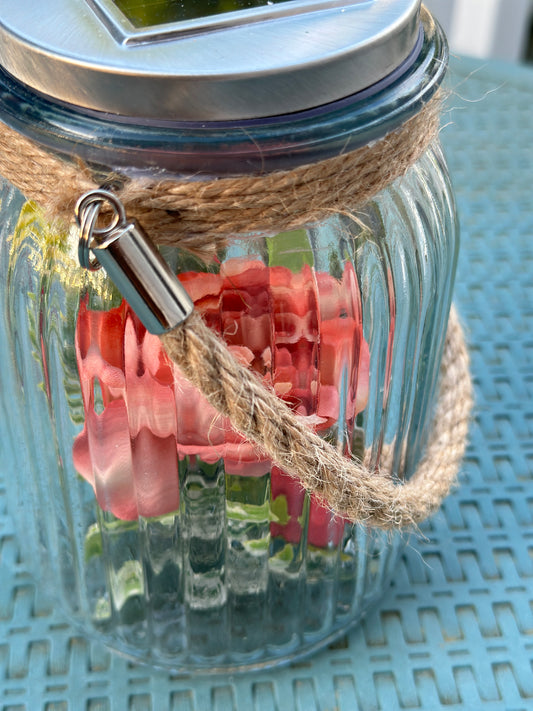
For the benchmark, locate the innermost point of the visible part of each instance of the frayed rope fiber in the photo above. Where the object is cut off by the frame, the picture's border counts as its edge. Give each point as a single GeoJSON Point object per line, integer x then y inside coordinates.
{"type": "Point", "coordinates": [202, 217]}
{"type": "Point", "coordinates": [348, 486]}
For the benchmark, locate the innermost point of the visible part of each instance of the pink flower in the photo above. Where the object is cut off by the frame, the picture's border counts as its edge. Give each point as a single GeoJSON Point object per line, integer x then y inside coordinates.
{"type": "Point", "coordinates": [301, 332]}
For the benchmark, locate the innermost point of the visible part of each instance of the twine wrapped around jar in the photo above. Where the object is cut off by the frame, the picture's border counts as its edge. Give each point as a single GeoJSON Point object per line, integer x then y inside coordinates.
{"type": "Point", "coordinates": [201, 217]}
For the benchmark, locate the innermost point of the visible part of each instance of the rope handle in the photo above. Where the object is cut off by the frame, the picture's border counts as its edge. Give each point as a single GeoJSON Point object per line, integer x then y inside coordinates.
{"type": "Point", "coordinates": [349, 487]}
{"type": "Point", "coordinates": [202, 216]}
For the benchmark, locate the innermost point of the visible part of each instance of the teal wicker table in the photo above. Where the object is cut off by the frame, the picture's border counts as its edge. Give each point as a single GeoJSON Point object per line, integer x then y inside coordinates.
{"type": "Point", "coordinates": [456, 629]}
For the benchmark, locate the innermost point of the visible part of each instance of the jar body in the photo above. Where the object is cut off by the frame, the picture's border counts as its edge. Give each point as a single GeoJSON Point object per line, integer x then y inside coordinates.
{"type": "Point", "coordinates": [165, 534]}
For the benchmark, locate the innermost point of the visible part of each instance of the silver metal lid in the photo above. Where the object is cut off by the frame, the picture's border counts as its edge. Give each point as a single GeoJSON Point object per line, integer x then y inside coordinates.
{"type": "Point", "coordinates": [261, 61]}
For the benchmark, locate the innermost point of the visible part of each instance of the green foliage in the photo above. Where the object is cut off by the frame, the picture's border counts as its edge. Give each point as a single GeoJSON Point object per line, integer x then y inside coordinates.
{"type": "Point", "coordinates": [290, 249]}
{"type": "Point", "coordinates": [279, 510]}
{"type": "Point", "coordinates": [93, 543]}
{"type": "Point", "coordinates": [249, 490]}
{"type": "Point", "coordinates": [335, 265]}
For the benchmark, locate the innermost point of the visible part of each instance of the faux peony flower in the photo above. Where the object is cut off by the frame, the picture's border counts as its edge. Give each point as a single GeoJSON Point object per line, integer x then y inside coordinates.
{"type": "Point", "coordinates": [301, 332]}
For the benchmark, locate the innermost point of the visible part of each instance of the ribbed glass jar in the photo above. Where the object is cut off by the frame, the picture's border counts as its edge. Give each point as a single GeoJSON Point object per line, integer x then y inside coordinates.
{"type": "Point", "coordinates": [162, 532]}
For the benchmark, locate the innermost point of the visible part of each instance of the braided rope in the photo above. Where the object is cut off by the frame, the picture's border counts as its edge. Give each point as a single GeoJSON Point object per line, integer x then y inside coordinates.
{"type": "Point", "coordinates": [200, 216]}
{"type": "Point", "coordinates": [349, 487]}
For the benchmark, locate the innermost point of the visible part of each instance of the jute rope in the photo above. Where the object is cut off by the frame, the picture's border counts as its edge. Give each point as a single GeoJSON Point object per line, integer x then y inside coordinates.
{"type": "Point", "coordinates": [201, 217]}
{"type": "Point", "coordinates": [349, 487]}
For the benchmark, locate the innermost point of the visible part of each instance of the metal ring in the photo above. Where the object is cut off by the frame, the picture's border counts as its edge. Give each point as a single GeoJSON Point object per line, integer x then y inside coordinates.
{"type": "Point", "coordinates": [88, 218]}
{"type": "Point", "coordinates": [87, 211]}
{"type": "Point", "coordinates": [100, 197]}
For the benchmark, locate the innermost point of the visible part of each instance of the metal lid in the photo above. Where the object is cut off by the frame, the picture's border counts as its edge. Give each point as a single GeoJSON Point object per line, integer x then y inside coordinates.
{"type": "Point", "coordinates": [249, 63]}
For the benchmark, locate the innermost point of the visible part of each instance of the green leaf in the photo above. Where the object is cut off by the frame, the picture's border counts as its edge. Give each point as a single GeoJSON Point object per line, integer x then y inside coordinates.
{"type": "Point", "coordinates": [257, 545]}
{"type": "Point", "coordinates": [279, 510]}
{"type": "Point", "coordinates": [335, 266]}
{"type": "Point", "coordinates": [93, 542]}
{"type": "Point", "coordinates": [129, 582]}
{"type": "Point", "coordinates": [290, 249]}
{"type": "Point", "coordinates": [247, 512]}
{"type": "Point", "coordinates": [247, 489]}
{"type": "Point", "coordinates": [285, 555]}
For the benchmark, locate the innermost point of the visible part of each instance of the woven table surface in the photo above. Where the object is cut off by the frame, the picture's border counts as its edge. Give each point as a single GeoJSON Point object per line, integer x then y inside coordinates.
{"type": "Point", "coordinates": [455, 631]}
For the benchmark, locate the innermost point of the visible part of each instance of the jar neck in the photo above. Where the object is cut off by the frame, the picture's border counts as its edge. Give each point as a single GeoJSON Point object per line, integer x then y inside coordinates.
{"type": "Point", "coordinates": [237, 147]}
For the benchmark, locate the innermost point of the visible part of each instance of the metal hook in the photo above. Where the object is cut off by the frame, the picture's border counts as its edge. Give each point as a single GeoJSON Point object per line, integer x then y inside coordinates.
{"type": "Point", "coordinates": [131, 261]}
{"type": "Point", "coordinates": [87, 211]}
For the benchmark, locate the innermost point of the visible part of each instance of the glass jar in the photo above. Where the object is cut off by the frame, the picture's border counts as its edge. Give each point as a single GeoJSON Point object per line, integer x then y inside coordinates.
{"type": "Point", "coordinates": [160, 529]}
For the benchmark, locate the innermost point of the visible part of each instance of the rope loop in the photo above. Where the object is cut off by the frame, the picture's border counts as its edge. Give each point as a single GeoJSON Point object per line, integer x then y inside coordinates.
{"type": "Point", "coordinates": [348, 486]}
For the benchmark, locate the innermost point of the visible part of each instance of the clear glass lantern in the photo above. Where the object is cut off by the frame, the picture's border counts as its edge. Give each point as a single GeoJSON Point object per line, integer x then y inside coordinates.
{"type": "Point", "coordinates": [159, 528]}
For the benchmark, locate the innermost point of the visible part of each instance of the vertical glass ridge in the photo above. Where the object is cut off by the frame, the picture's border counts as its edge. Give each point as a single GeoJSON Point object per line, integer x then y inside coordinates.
{"type": "Point", "coordinates": [179, 543]}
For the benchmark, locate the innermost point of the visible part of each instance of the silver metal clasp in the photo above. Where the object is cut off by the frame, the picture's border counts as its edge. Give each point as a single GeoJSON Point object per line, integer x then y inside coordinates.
{"type": "Point", "coordinates": [131, 261]}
